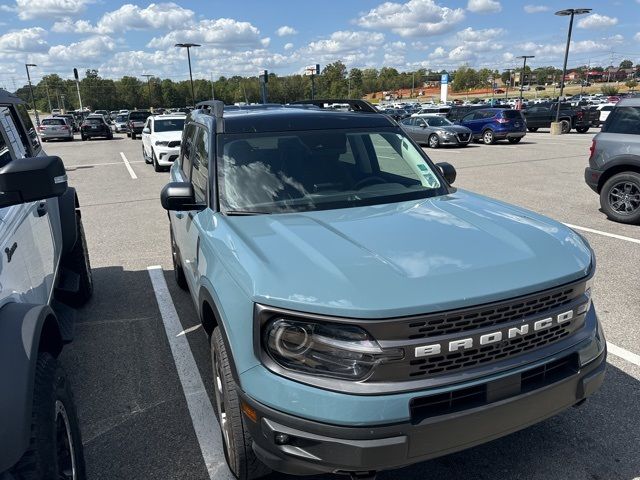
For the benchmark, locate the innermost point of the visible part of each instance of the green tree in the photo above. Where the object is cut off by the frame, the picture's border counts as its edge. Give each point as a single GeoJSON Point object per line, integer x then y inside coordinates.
{"type": "Point", "coordinates": [631, 84]}
{"type": "Point", "coordinates": [626, 64]}
{"type": "Point", "coordinates": [333, 81]}
{"type": "Point", "coordinates": [356, 82]}
{"type": "Point", "coordinates": [609, 90]}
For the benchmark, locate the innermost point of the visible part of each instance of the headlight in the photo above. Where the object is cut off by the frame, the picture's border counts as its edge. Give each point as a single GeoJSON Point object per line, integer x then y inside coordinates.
{"type": "Point", "coordinates": [162, 144]}
{"type": "Point", "coordinates": [339, 351]}
{"type": "Point", "coordinates": [445, 133]}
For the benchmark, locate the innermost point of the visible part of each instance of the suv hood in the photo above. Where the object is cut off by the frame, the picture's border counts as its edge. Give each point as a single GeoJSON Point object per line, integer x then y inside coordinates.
{"type": "Point", "coordinates": [399, 259]}
{"type": "Point", "coordinates": [167, 136]}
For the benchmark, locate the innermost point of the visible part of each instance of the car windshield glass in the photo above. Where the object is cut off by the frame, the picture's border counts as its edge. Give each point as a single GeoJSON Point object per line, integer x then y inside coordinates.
{"type": "Point", "coordinates": [139, 115]}
{"type": "Point", "coordinates": [318, 170]}
{"type": "Point", "coordinates": [438, 122]}
{"type": "Point", "coordinates": [511, 114]}
{"type": "Point", "coordinates": [93, 121]}
{"type": "Point", "coordinates": [169, 125]}
{"type": "Point", "coordinates": [121, 118]}
{"type": "Point", "coordinates": [53, 121]}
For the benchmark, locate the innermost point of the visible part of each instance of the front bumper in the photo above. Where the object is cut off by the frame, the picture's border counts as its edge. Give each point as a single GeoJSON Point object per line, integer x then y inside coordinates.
{"type": "Point", "coordinates": [592, 178]}
{"type": "Point", "coordinates": [454, 140]}
{"type": "Point", "coordinates": [166, 156]}
{"type": "Point", "coordinates": [315, 447]}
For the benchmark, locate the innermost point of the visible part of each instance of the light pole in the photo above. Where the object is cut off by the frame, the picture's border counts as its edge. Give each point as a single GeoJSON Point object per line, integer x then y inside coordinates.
{"type": "Point", "coordinates": [188, 46]}
{"type": "Point", "coordinates": [524, 68]}
{"type": "Point", "coordinates": [506, 90]}
{"type": "Point", "coordinates": [148, 76]}
{"type": "Point", "coordinates": [33, 100]}
{"type": "Point", "coordinates": [569, 12]}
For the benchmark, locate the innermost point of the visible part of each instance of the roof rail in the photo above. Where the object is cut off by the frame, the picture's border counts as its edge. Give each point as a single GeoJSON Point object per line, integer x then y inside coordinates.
{"type": "Point", "coordinates": [361, 106]}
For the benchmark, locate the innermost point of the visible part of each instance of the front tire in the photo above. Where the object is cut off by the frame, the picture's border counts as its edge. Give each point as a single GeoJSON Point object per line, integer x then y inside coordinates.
{"type": "Point", "coordinates": [532, 129]}
{"type": "Point", "coordinates": [514, 139]}
{"type": "Point", "coordinates": [620, 197]}
{"type": "Point", "coordinates": [154, 159]}
{"type": "Point", "coordinates": [77, 260]}
{"type": "Point", "coordinates": [565, 126]}
{"type": "Point", "coordinates": [55, 449]}
{"type": "Point", "coordinates": [133, 136]}
{"type": "Point", "coordinates": [582, 129]}
{"type": "Point", "coordinates": [147, 160]}
{"type": "Point", "coordinates": [238, 451]}
{"type": "Point", "coordinates": [434, 141]}
{"type": "Point", "coordinates": [488, 137]}
{"type": "Point", "coordinates": [178, 271]}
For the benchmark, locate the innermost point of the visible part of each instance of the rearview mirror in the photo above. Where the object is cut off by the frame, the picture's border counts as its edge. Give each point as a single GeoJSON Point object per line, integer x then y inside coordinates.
{"type": "Point", "coordinates": [29, 179]}
{"type": "Point", "coordinates": [179, 196]}
{"type": "Point", "coordinates": [448, 172]}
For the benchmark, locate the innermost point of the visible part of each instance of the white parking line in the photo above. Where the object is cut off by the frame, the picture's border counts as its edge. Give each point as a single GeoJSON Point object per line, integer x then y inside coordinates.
{"type": "Point", "coordinates": [203, 417]}
{"type": "Point", "coordinates": [84, 165]}
{"type": "Point", "coordinates": [624, 354]}
{"type": "Point", "coordinates": [606, 234]}
{"type": "Point", "coordinates": [128, 165]}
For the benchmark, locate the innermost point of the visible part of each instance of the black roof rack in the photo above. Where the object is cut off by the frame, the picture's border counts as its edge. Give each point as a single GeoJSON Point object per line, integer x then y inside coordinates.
{"type": "Point", "coordinates": [7, 97]}
{"type": "Point", "coordinates": [361, 106]}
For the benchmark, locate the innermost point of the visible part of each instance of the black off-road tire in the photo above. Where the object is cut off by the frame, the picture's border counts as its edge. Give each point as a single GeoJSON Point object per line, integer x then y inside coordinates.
{"type": "Point", "coordinates": [565, 126]}
{"type": "Point", "coordinates": [154, 160]}
{"type": "Point", "coordinates": [532, 129]}
{"type": "Point", "coordinates": [146, 158]}
{"type": "Point", "coordinates": [77, 260]}
{"type": "Point", "coordinates": [633, 179]}
{"type": "Point", "coordinates": [47, 458]}
{"type": "Point", "coordinates": [133, 136]}
{"type": "Point", "coordinates": [242, 461]}
{"type": "Point", "coordinates": [514, 139]}
{"type": "Point", "coordinates": [582, 129]}
{"type": "Point", "coordinates": [178, 271]}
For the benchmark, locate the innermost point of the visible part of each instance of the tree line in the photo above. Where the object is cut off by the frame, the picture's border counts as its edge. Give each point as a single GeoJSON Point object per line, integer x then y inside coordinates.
{"type": "Point", "coordinates": [335, 81]}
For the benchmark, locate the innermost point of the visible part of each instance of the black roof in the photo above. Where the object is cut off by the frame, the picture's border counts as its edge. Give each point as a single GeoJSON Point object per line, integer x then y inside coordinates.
{"type": "Point", "coordinates": [6, 97]}
{"type": "Point", "coordinates": [288, 119]}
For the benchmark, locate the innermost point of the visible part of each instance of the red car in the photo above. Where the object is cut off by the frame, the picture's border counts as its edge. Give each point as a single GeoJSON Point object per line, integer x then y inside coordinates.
{"type": "Point", "coordinates": [613, 99]}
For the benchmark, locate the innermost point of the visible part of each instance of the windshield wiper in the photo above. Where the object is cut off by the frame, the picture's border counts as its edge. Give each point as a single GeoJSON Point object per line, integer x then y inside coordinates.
{"type": "Point", "coordinates": [241, 213]}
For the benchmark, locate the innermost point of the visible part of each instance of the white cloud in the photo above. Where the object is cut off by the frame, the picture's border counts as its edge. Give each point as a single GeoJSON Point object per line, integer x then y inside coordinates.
{"type": "Point", "coordinates": [439, 52]}
{"type": "Point", "coordinates": [413, 18]}
{"type": "Point", "coordinates": [461, 54]}
{"type": "Point", "coordinates": [288, 46]}
{"type": "Point", "coordinates": [27, 40]}
{"type": "Point", "coordinates": [536, 8]}
{"type": "Point", "coordinates": [67, 25]}
{"type": "Point", "coordinates": [346, 41]}
{"type": "Point", "coordinates": [91, 48]}
{"type": "Point", "coordinates": [636, 37]}
{"type": "Point", "coordinates": [286, 30]}
{"type": "Point", "coordinates": [265, 41]}
{"type": "Point", "coordinates": [484, 6]}
{"type": "Point", "coordinates": [155, 16]}
{"type": "Point", "coordinates": [28, 9]}
{"type": "Point", "coordinates": [471, 35]}
{"type": "Point", "coordinates": [597, 21]}
{"type": "Point", "coordinates": [222, 33]}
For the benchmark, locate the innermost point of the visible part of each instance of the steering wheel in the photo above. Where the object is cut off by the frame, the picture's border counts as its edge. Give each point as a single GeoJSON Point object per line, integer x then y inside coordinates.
{"type": "Point", "coordinates": [368, 181]}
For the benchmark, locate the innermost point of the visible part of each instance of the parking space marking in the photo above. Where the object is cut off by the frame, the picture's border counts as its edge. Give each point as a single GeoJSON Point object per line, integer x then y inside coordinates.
{"type": "Point", "coordinates": [606, 234]}
{"type": "Point", "coordinates": [203, 417]}
{"type": "Point", "coordinates": [128, 165]}
{"type": "Point", "coordinates": [85, 165]}
{"type": "Point", "coordinates": [624, 354]}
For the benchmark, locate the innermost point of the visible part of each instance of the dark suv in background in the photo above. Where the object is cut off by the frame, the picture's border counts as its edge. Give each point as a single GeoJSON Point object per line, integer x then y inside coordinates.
{"type": "Point", "coordinates": [136, 121]}
{"type": "Point", "coordinates": [492, 124]}
{"type": "Point", "coordinates": [614, 163]}
{"type": "Point", "coordinates": [95, 126]}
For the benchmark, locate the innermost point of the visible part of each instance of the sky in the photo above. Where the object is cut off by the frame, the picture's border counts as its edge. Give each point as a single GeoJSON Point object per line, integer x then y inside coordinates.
{"type": "Point", "coordinates": [243, 37]}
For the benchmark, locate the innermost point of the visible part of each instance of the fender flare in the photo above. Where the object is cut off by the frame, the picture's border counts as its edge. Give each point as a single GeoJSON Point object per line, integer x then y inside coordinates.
{"type": "Point", "coordinates": [68, 205]}
{"type": "Point", "coordinates": [617, 165]}
{"type": "Point", "coordinates": [22, 327]}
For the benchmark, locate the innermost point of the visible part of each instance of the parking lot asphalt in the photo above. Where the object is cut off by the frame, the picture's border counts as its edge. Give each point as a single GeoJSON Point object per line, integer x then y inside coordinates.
{"type": "Point", "coordinates": [137, 410]}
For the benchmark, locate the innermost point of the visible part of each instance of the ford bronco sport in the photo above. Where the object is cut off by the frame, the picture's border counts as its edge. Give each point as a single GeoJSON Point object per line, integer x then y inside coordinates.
{"type": "Point", "coordinates": [364, 314]}
{"type": "Point", "coordinates": [44, 272]}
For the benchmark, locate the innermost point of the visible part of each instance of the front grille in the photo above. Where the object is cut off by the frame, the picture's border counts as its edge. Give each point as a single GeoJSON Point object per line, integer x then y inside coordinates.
{"type": "Point", "coordinates": [489, 353]}
{"type": "Point", "coordinates": [497, 314]}
{"type": "Point", "coordinates": [175, 143]}
{"type": "Point", "coordinates": [463, 137]}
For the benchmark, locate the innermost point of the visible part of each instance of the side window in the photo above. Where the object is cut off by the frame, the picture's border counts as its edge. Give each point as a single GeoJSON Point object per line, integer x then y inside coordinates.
{"type": "Point", "coordinates": [468, 117]}
{"type": "Point", "coordinates": [347, 157]}
{"type": "Point", "coordinates": [186, 151]}
{"type": "Point", "coordinates": [5, 153]}
{"type": "Point", "coordinates": [30, 139]}
{"type": "Point", "coordinates": [200, 161]}
{"type": "Point", "coordinates": [148, 124]}
{"type": "Point", "coordinates": [12, 131]}
{"type": "Point", "coordinates": [623, 120]}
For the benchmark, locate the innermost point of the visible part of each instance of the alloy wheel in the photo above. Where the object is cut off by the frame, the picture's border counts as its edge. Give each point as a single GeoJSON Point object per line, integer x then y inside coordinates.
{"type": "Point", "coordinates": [225, 425]}
{"type": "Point", "coordinates": [65, 453]}
{"type": "Point", "coordinates": [624, 198]}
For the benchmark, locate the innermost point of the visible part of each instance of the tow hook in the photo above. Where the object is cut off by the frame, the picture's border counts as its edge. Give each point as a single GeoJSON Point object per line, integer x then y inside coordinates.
{"type": "Point", "coordinates": [371, 475]}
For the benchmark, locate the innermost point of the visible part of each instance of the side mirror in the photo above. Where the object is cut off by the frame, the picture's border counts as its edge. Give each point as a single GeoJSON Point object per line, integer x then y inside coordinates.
{"type": "Point", "coordinates": [179, 196]}
{"type": "Point", "coordinates": [448, 171]}
{"type": "Point", "coordinates": [423, 125]}
{"type": "Point", "coordinates": [29, 179]}
{"type": "Point", "coordinates": [146, 130]}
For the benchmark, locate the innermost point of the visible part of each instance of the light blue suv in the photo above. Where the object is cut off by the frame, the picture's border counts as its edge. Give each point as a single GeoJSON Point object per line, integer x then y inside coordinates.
{"type": "Point", "coordinates": [364, 314]}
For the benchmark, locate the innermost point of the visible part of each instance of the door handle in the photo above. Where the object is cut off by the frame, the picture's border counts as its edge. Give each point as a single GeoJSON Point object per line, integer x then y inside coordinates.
{"type": "Point", "coordinates": [42, 209]}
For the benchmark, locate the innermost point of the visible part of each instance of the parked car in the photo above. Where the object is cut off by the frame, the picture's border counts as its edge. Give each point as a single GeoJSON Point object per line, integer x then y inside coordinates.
{"type": "Point", "coordinates": [44, 274]}
{"type": "Point", "coordinates": [161, 137]}
{"type": "Point", "coordinates": [55, 128]}
{"type": "Point", "coordinates": [135, 122]}
{"type": "Point", "coordinates": [396, 113]}
{"type": "Point", "coordinates": [441, 110]}
{"type": "Point", "coordinates": [614, 163]}
{"type": "Point", "coordinates": [579, 118]}
{"type": "Point", "coordinates": [435, 131]}
{"type": "Point", "coordinates": [456, 112]}
{"type": "Point", "coordinates": [104, 113]}
{"type": "Point", "coordinates": [492, 124]}
{"type": "Point", "coordinates": [113, 114]}
{"type": "Point", "coordinates": [121, 123]}
{"type": "Point", "coordinates": [363, 314]}
{"type": "Point", "coordinates": [95, 126]}
{"type": "Point", "coordinates": [71, 120]}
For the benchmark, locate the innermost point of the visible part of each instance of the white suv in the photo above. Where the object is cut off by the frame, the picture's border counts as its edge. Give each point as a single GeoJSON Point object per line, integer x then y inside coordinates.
{"type": "Point", "coordinates": [161, 137]}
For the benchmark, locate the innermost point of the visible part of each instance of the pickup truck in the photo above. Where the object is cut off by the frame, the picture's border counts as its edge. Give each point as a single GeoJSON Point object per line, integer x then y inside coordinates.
{"type": "Point", "coordinates": [541, 116]}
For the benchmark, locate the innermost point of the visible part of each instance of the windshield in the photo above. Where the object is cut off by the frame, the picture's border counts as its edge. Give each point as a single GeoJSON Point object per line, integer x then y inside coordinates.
{"type": "Point", "coordinates": [94, 121]}
{"type": "Point", "coordinates": [139, 115]}
{"type": "Point", "coordinates": [121, 118]}
{"type": "Point", "coordinates": [53, 121]}
{"type": "Point", "coordinates": [317, 170]}
{"type": "Point", "coordinates": [169, 125]}
{"type": "Point", "coordinates": [438, 122]}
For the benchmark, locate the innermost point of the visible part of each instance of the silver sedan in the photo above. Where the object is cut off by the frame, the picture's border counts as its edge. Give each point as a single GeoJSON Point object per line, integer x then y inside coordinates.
{"type": "Point", "coordinates": [436, 131]}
